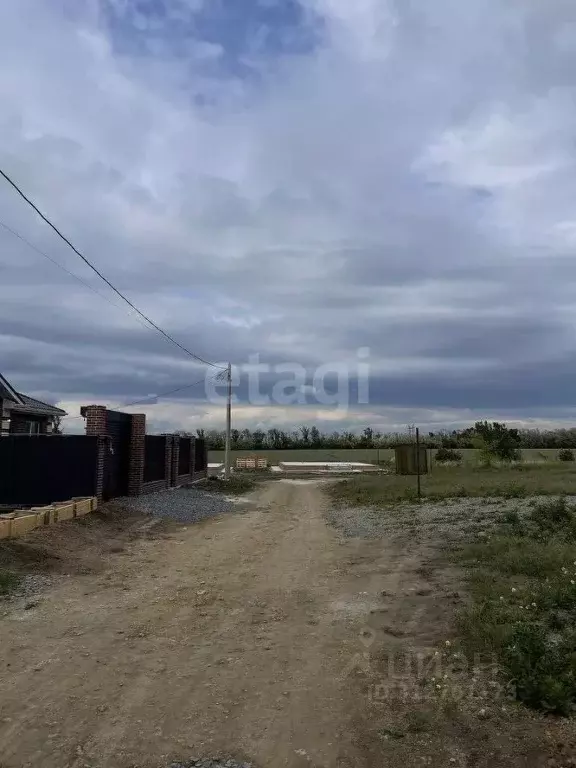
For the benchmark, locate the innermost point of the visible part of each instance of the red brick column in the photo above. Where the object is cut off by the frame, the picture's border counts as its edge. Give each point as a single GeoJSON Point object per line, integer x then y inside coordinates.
{"type": "Point", "coordinates": [192, 455]}
{"type": "Point", "coordinates": [100, 458]}
{"type": "Point", "coordinates": [175, 459]}
{"type": "Point", "coordinates": [168, 462]}
{"type": "Point", "coordinates": [136, 465]}
{"type": "Point", "coordinates": [96, 419]}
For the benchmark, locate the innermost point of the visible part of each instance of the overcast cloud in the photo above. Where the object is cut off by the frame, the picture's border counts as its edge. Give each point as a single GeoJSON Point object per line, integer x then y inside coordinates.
{"type": "Point", "coordinates": [298, 180]}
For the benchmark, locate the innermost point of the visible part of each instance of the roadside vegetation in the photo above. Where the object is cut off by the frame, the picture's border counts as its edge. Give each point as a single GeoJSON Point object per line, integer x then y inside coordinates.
{"type": "Point", "coordinates": [523, 609]}
{"type": "Point", "coordinates": [507, 481]}
{"type": "Point", "coordinates": [308, 436]}
{"type": "Point", "coordinates": [238, 484]}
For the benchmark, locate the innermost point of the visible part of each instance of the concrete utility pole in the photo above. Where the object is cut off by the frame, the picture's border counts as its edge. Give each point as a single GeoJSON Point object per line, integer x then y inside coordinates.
{"type": "Point", "coordinates": [228, 424]}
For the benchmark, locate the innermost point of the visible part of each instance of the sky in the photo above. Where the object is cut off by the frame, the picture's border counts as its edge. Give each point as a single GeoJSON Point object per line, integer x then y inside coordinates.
{"type": "Point", "coordinates": [297, 180]}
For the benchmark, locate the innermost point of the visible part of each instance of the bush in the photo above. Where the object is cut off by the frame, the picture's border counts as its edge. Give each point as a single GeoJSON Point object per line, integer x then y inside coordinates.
{"type": "Point", "coordinates": [554, 518]}
{"type": "Point", "coordinates": [566, 454]}
{"type": "Point", "coordinates": [543, 667]}
{"type": "Point", "coordinates": [238, 484]}
{"type": "Point", "coordinates": [447, 454]}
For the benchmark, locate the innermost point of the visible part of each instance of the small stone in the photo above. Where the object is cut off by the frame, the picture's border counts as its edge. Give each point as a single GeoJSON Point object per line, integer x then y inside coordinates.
{"type": "Point", "coordinates": [31, 604]}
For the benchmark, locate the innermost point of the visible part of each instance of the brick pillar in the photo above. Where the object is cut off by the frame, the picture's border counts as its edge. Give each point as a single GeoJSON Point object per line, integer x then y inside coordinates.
{"type": "Point", "coordinates": [168, 461]}
{"type": "Point", "coordinates": [192, 454]}
{"type": "Point", "coordinates": [102, 448]}
{"type": "Point", "coordinates": [137, 446]}
{"type": "Point", "coordinates": [96, 419]}
{"type": "Point", "coordinates": [175, 459]}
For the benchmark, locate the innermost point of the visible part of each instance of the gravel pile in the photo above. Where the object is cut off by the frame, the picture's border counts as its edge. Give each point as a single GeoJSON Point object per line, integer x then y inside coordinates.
{"type": "Point", "coordinates": [210, 762]}
{"type": "Point", "coordinates": [186, 505]}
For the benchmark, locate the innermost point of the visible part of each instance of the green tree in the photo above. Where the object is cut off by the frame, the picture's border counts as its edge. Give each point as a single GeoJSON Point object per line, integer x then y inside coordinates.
{"type": "Point", "coordinates": [368, 437]}
{"type": "Point", "coordinates": [496, 440]}
{"type": "Point", "coordinates": [316, 438]}
{"type": "Point", "coordinates": [57, 428]}
{"type": "Point", "coordinates": [258, 438]}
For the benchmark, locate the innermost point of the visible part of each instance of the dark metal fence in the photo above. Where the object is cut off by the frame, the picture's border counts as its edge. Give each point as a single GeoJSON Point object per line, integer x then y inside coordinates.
{"type": "Point", "coordinates": [184, 456]}
{"type": "Point", "coordinates": [117, 457]}
{"type": "Point", "coordinates": [42, 469]}
{"type": "Point", "coordinates": [154, 458]}
{"type": "Point", "coordinates": [200, 455]}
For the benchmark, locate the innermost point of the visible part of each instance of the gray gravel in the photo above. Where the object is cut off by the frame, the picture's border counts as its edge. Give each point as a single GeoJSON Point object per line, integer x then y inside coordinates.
{"type": "Point", "coordinates": [210, 762]}
{"type": "Point", "coordinates": [357, 522]}
{"type": "Point", "coordinates": [186, 505]}
{"type": "Point", "coordinates": [32, 583]}
{"type": "Point", "coordinates": [450, 519]}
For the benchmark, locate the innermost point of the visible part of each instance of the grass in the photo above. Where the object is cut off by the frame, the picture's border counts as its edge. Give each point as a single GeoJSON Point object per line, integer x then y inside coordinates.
{"type": "Point", "coordinates": [506, 482]}
{"type": "Point", "coordinates": [523, 609]}
{"type": "Point", "coordinates": [8, 582]}
{"type": "Point", "coordinates": [237, 485]}
{"type": "Point", "coordinates": [469, 455]}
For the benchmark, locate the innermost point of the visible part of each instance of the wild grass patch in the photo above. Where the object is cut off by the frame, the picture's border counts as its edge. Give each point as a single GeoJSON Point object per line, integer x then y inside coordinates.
{"type": "Point", "coordinates": [523, 609]}
{"type": "Point", "coordinates": [507, 481]}
{"type": "Point", "coordinates": [236, 485]}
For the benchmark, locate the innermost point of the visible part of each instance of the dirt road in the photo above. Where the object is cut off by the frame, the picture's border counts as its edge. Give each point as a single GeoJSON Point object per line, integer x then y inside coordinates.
{"type": "Point", "coordinates": [253, 635]}
{"type": "Point", "coordinates": [222, 638]}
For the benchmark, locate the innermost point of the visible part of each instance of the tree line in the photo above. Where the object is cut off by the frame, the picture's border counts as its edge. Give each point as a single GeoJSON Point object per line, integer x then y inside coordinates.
{"type": "Point", "coordinates": [310, 437]}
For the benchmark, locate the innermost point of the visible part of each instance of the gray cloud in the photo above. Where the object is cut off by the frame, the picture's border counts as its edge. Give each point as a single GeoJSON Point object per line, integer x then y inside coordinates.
{"type": "Point", "coordinates": [405, 183]}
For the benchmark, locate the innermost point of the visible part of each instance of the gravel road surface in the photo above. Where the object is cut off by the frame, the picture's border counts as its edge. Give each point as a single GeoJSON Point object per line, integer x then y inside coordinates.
{"type": "Point", "coordinates": [185, 505]}
{"type": "Point", "coordinates": [210, 762]}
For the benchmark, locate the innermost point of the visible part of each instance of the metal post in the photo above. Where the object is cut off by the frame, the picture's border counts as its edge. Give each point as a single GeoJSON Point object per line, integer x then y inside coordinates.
{"type": "Point", "coordinates": [418, 462]}
{"type": "Point", "coordinates": [228, 424]}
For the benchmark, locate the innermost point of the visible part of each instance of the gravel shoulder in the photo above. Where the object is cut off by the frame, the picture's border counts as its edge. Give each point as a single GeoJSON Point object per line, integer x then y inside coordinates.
{"type": "Point", "coordinates": [184, 505]}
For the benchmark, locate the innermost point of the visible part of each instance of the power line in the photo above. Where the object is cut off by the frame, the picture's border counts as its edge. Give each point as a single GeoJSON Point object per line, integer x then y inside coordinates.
{"type": "Point", "coordinates": [102, 277]}
{"type": "Point", "coordinates": [150, 397]}
{"type": "Point", "coordinates": [60, 266]}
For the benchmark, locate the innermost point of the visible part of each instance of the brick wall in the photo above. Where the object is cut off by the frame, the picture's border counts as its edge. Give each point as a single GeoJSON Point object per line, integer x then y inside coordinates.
{"type": "Point", "coordinates": [168, 461]}
{"type": "Point", "coordinates": [175, 460]}
{"type": "Point", "coordinates": [102, 448]}
{"type": "Point", "coordinates": [97, 424]}
{"type": "Point", "coordinates": [137, 442]}
{"type": "Point", "coordinates": [96, 419]}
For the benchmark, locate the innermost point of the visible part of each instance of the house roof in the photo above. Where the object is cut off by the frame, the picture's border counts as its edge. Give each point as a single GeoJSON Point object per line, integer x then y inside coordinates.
{"type": "Point", "coordinates": [23, 404]}
{"type": "Point", "coordinates": [7, 392]}
{"type": "Point", "coordinates": [31, 405]}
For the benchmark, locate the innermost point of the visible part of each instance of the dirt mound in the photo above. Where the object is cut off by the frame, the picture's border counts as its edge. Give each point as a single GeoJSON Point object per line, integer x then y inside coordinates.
{"type": "Point", "coordinates": [78, 546]}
